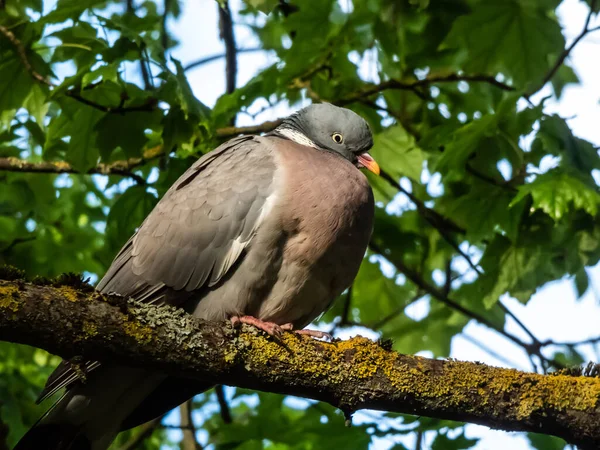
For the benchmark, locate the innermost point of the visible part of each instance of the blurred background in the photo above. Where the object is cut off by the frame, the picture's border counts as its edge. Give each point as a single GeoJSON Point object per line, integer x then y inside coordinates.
{"type": "Point", "coordinates": [485, 116]}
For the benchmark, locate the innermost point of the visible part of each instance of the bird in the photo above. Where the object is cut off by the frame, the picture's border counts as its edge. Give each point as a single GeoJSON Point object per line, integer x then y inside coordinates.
{"type": "Point", "coordinates": [265, 230]}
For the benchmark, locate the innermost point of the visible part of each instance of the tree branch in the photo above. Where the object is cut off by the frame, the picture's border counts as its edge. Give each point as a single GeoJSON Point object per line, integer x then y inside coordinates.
{"type": "Point", "coordinates": [122, 168]}
{"type": "Point", "coordinates": [73, 319]}
{"type": "Point", "coordinates": [189, 441]}
{"type": "Point", "coordinates": [223, 405]}
{"type": "Point", "coordinates": [415, 278]}
{"type": "Point", "coordinates": [415, 85]}
{"type": "Point", "coordinates": [209, 59]}
{"type": "Point", "coordinates": [144, 432]}
{"type": "Point", "coordinates": [22, 54]}
{"type": "Point", "coordinates": [228, 37]}
{"type": "Point", "coordinates": [565, 53]}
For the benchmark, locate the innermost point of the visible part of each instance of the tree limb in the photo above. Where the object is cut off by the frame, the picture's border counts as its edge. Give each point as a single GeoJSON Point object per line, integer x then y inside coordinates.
{"type": "Point", "coordinates": [143, 432]}
{"type": "Point", "coordinates": [21, 52]}
{"type": "Point", "coordinates": [74, 319]}
{"type": "Point", "coordinates": [228, 38]}
{"type": "Point", "coordinates": [189, 441]}
{"type": "Point", "coordinates": [122, 168]}
{"type": "Point", "coordinates": [566, 52]}
{"type": "Point", "coordinates": [415, 85]}
{"type": "Point", "coordinates": [211, 58]}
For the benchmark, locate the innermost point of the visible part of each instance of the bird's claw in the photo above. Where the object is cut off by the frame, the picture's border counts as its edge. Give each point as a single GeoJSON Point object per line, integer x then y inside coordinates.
{"type": "Point", "coordinates": [268, 327]}
{"type": "Point", "coordinates": [275, 330]}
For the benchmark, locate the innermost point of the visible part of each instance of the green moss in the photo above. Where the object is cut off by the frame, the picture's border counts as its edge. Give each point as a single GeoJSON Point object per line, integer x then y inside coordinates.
{"type": "Point", "coordinates": [73, 280]}
{"type": "Point", "coordinates": [10, 273]}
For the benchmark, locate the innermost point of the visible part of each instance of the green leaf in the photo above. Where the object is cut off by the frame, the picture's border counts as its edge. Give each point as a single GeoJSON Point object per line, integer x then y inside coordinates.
{"type": "Point", "coordinates": [556, 193]}
{"type": "Point", "coordinates": [545, 442]}
{"type": "Point", "coordinates": [555, 137]}
{"type": "Point", "coordinates": [582, 282]}
{"type": "Point", "coordinates": [375, 295]}
{"type": "Point", "coordinates": [128, 212]}
{"type": "Point", "coordinates": [509, 36]}
{"type": "Point", "coordinates": [443, 442]}
{"type": "Point", "coordinates": [82, 151]}
{"type": "Point", "coordinates": [483, 211]}
{"type": "Point", "coordinates": [177, 128]}
{"type": "Point", "coordinates": [465, 142]}
{"type": "Point", "coordinates": [189, 103]}
{"type": "Point", "coordinates": [69, 9]}
{"type": "Point", "coordinates": [265, 6]}
{"type": "Point", "coordinates": [126, 131]}
{"type": "Point", "coordinates": [36, 104]}
{"type": "Point", "coordinates": [397, 153]}
{"type": "Point", "coordinates": [564, 76]}
{"type": "Point", "coordinates": [9, 227]}
{"type": "Point", "coordinates": [16, 82]}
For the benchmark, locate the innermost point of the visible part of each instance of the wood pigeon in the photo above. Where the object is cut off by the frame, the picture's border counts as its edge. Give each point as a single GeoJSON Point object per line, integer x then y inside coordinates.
{"type": "Point", "coordinates": [264, 230]}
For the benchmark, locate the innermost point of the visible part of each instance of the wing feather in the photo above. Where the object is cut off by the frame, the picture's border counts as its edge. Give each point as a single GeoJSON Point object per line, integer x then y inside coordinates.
{"type": "Point", "coordinates": [194, 235]}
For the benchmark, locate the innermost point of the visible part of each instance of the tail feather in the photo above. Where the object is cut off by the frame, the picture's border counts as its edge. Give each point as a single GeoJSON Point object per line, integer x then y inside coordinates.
{"type": "Point", "coordinates": [88, 416]}
{"type": "Point", "coordinates": [54, 437]}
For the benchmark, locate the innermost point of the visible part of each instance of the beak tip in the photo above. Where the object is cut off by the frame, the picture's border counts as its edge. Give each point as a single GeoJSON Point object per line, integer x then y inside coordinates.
{"type": "Point", "coordinates": [365, 160]}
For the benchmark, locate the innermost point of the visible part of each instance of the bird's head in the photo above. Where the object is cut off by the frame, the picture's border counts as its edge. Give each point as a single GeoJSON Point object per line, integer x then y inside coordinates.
{"type": "Point", "coordinates": [328, 127]}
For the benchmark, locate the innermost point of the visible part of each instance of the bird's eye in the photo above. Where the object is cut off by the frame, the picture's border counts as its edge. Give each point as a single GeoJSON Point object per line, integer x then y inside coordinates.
{"type": "Point", "coordinates": [337, 138]}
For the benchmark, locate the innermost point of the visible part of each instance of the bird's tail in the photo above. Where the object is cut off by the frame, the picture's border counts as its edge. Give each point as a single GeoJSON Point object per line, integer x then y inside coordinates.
{"type": "Point", "coordinates": [90, 415]}
{"type": "Point", "coordinates": [54, 437]}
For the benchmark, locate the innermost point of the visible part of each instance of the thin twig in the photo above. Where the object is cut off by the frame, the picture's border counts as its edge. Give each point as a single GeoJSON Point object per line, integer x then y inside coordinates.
{"type": "Point", "coordinates": [416, 278]}
{"type": "Point", "coordinates": [145, 432]}
{"type": "Point", "coordinates": [121, 168]}
{"type": "Point", "coordinates": [164, 34]}
{"type": "Point", "coordinates": [419, 440]}
{"type": "Point", "coordinates": [347, 303]}
{"type": "Point", "coordinates": [18, 241]}
{"type": "Point", "coordinates": [391, 316]}
{"type": "Point", "coordinates": [209, 59]}
{"type": "Point", "coordinates": [566, 52]}
{"type": "Point", "coordinates": [594, 340]}
{"type": "Point", "coordinates": [223, 405]}
{"type": "Point", "coordinates": [189, 441]}
{"type": "Point", "coordinates": [149, 105]}
{"type": "Point", "coordinates": [493, 353]}
{"type": "Point", "coordinates": [501, 184]}
{"type": "Point", "coordinates": [415, 85]}
{"type": "Point", "coordinates": [228, 36]}
{"type": "Point", "coordinates": [144, 69]}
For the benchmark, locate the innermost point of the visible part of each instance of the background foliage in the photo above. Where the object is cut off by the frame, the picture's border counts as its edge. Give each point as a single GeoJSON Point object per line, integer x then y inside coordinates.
{"type": "Point", "coordinates": [483, 193]}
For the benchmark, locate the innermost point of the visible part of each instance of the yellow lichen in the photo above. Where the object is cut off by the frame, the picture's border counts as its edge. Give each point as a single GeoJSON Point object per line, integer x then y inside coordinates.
{"type": "Point", "coordinates": [68, 293]}
{"type": "Point", "coordinates": [89, 329]}
{"type": "Point", "coordinates": [8, 298]}
{"type": "Point", "coordinates": [450, 382]}
{"type": "Point", "coordinates": [140, 333]}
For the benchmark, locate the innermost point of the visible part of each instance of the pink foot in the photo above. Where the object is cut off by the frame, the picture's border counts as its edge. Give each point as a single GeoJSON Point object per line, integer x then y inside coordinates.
{"type": "Point", "coordinates": [268, 327]}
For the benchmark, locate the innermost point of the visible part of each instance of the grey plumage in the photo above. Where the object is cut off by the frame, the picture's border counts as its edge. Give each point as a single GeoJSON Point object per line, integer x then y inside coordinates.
{"type": "Point", "coordinates": [271, 226]}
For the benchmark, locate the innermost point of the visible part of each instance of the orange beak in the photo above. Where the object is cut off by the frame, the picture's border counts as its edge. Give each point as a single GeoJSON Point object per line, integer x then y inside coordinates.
{"type": "Point", "coordinates": [365, 160]}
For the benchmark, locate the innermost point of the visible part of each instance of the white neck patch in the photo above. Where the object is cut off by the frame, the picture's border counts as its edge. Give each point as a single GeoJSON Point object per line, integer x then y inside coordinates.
{"type": "Point", "coordinates": [297, 137]}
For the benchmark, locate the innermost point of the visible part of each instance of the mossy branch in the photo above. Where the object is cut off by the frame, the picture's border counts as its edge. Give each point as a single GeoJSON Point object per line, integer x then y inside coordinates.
{"type": "Point", "coordinates": [70, 319]}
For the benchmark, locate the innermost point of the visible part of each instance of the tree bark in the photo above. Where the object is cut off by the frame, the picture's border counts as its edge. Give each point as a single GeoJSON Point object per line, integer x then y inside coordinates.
{"type": "Point", "coordinates": [71, 319]}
